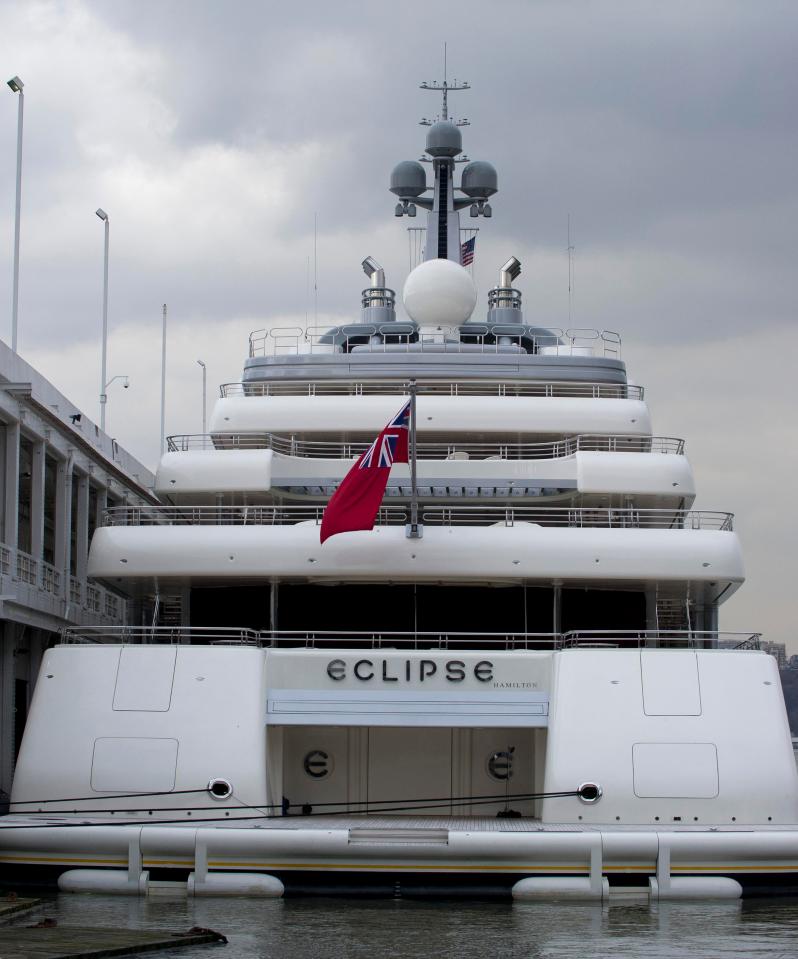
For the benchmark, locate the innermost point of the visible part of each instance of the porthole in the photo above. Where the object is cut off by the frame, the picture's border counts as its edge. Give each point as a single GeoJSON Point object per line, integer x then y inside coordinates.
{"type": "Point", "coordinates": [318, 764]}
{"type": "Point", "coordinates": [220, 789]}
{"type": "Point", "coordinates": [590, 792]}
{"type": "Point", "coordinates": [500, 765]}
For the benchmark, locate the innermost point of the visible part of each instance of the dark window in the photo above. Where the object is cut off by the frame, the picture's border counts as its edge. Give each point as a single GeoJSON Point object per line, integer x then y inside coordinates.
{"type": "Point", "coordinates": [24, 528]}
{"type": "Point", "coordinates": [50, 500]}
{"type": "Point", "coordinates": [73, 527]}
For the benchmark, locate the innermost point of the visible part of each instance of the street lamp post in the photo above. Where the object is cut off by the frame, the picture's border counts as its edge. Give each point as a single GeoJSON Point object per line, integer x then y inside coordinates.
{"type": "Point", "coordinates": [16, 86]}
{"type": "Point", "coordinates": [125, 382]}
{"type": "Point", "coordinates": [103, 395]}
{"type": "Point", "coordinates": [204, 401]}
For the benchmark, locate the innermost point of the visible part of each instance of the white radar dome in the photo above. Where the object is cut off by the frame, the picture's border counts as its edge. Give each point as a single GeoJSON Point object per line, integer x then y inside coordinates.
{"type": "Point", "coordinates": [439, 293]}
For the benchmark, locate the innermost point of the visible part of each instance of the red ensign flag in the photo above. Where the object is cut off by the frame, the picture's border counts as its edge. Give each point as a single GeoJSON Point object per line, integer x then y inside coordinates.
{"type": "Point", "coordinates": [356, 502]}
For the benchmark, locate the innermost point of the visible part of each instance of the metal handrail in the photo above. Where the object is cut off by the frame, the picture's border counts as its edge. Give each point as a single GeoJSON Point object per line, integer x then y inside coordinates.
{"type": "Point", "coordinates": [295, 340]}
{"type": "Point", "coordinates": [324, 449]}
{"type": "Point", "coordinates": [581, 517]}
{"type": "Point", "coordinates": [644, 637]}
{"type": "Point", "coordinates": [421, 639]}
{"type": "Point", "coordinates": [161, 635]}
{"type": "Point", "coordinates": [476, 387]}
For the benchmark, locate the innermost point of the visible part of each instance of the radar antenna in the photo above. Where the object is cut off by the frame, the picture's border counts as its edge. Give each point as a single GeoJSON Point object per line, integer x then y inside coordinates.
{"type": "Point", "coordinates": [445, 88]}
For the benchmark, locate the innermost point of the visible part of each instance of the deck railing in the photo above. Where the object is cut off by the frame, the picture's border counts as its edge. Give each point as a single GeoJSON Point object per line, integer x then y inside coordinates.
{"type": "Point", "coordinates": [393, 639]}
{"type": "Point", "coordinates": [671, 519]}
{"type": "Point", "coordinates": [323, 449]}
{"type": "Point", "coordinates": [475, 387]}
{"type": "Point", "coordinates": [474, 337]}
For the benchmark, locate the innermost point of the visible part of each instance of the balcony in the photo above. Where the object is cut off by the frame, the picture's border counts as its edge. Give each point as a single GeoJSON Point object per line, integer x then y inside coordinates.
{"type": "Point", "coordinates": [322, 449]}
{"type": "Point", "coordinates": [41, 587]}
{"type": "Point", "coordinates": [432, 387]}
{"type": "Point", "coordinates": [440, 516]}
{"type": "Point", "coordinates": [405, 337]}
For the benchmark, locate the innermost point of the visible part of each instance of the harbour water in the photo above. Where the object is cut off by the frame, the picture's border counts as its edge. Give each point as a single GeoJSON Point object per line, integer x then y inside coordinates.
{"type": "Point", "coordinates": [366, 929]}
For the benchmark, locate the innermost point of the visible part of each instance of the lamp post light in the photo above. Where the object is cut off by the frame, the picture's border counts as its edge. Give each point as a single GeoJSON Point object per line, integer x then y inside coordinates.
{"type": "Point", "coordinates": [16, 87]}
{"type": "Point", "coordinates": [204, 401]}
{"type": "Point", "coordinates": [103, 373]}
{"type": "Point", "coordinates": [104, 397]}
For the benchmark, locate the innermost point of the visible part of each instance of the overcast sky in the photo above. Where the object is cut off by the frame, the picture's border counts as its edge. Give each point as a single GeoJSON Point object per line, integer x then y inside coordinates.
{"type": "Point", "coordinates": [213, 132]}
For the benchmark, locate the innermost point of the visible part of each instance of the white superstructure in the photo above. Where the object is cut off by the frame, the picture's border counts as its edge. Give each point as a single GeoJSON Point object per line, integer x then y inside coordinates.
{"type": "Point", "coordinates": [530, 696]}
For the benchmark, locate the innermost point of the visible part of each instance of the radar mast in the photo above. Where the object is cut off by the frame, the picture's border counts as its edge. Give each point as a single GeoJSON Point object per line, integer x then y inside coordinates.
{"type": "Point", "coordinates": [444, 149]}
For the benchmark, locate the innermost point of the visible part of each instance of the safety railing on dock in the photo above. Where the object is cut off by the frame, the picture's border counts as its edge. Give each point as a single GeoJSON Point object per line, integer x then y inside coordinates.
{"type": "Point", "coordinates": [472, 337]}
{"type": "Point", "coordinates": [323, 449]}
{"type": "Point", "coordinates": [448, 516]}
{"type": "Point", "coordinates": [430, 640]}
{"type": "Point", "coordinates": [425, 387]}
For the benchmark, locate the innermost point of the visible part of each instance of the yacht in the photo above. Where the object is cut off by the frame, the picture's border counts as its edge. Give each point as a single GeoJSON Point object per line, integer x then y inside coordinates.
{"type": "Point", "coordinates": [513, 685]}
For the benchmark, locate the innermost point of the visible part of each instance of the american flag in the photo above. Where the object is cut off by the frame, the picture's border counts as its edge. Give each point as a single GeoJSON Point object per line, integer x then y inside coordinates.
{"type": "Point", "coordinates": [467, 251]}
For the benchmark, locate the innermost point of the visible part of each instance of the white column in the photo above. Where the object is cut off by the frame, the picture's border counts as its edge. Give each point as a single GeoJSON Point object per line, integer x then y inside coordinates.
{"type": "Point", "coordinates": [82, 526]}
{"type": "Point", "coordinates": [102, 505]}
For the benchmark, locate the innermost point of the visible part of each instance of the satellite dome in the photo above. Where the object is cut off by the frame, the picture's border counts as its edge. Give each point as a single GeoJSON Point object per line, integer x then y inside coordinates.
{"type": "Point", "coordinates": [439, 292]}
{"type": "Point", "coordinates": [479, 179]}
{"type": "Point", "coordinates": [444, 139]}
{"type": "Point", "coordinates": [408, 178]}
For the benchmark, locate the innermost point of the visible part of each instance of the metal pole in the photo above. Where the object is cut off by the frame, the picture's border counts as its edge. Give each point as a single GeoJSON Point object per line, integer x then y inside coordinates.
{"type": "Point", "coordinates": [204, 402]}
{"type": "Point", "coordinates": [104, 373]}
{"type": "Point", "coordinates": [414, 529]}
{"type": "Point", "coordinates": [16, 85]}
{"type": "Point", "coordinates": [163, 380]}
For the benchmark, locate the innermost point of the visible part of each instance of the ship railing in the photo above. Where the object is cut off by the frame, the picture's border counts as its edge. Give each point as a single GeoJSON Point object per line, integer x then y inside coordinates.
{"type": "Point", "coordinates": [323, 449]}
{"type": "Point", "coordinates": [579, 517]}
{"type": "Point", "coordinates": [448, 516]}
{"type": "Point", "coordinates": [161, 635]}
{"type": "Point", "coordinates": [475, 387]}
{"type": "Point", "coordinates": [472, 337]}
{"type": "Point", "coordinates": [386, 639]}
{"type": "Point", "coordinates": [659, 639]}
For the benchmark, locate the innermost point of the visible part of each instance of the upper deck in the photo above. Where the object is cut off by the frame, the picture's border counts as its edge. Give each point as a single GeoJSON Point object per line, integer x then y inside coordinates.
{"type": "Point", "coordinates": [401, 350]}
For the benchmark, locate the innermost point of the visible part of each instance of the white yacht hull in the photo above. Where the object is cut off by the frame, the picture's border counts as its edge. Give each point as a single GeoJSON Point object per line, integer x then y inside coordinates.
{"type": "Point", "coordinates": [390, 763]}
{"type": "Point", "coordinates": [505, 857]}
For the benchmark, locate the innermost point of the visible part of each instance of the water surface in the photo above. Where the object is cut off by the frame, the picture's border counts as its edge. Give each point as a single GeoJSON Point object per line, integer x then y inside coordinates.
{"type": "Point", "coordinates": [365, 929]}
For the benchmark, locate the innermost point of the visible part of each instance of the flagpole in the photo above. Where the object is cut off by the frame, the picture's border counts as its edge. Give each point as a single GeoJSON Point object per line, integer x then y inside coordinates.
{"type": "Point", "coordinates": [414, 529]}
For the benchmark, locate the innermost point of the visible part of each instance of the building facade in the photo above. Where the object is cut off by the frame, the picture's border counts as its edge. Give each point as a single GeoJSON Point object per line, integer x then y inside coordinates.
{"type": "Point", "coordinates": [58, 473]}
{"type": "Point", "coordinates": [777, 650]}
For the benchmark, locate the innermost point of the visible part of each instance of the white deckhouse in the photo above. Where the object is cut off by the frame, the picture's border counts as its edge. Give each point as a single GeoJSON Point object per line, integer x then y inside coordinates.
{"type": "Point", "coordinates": [527, 694]}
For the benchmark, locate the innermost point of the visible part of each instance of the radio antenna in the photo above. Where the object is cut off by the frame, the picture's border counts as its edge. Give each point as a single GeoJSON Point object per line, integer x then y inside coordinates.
{"type": "Point", "coordinates": [571, 275]}
{"type": "Point", "coordinates": [315, 271]}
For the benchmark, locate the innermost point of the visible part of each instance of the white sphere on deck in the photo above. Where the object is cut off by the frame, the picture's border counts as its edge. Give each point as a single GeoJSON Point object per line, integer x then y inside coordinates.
{"type": "Point", "coordinates": [439, 293]}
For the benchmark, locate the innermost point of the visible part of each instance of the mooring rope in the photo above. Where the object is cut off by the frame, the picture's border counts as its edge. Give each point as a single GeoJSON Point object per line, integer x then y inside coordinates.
{"type": "Point", "coordinates": [396, 806]}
